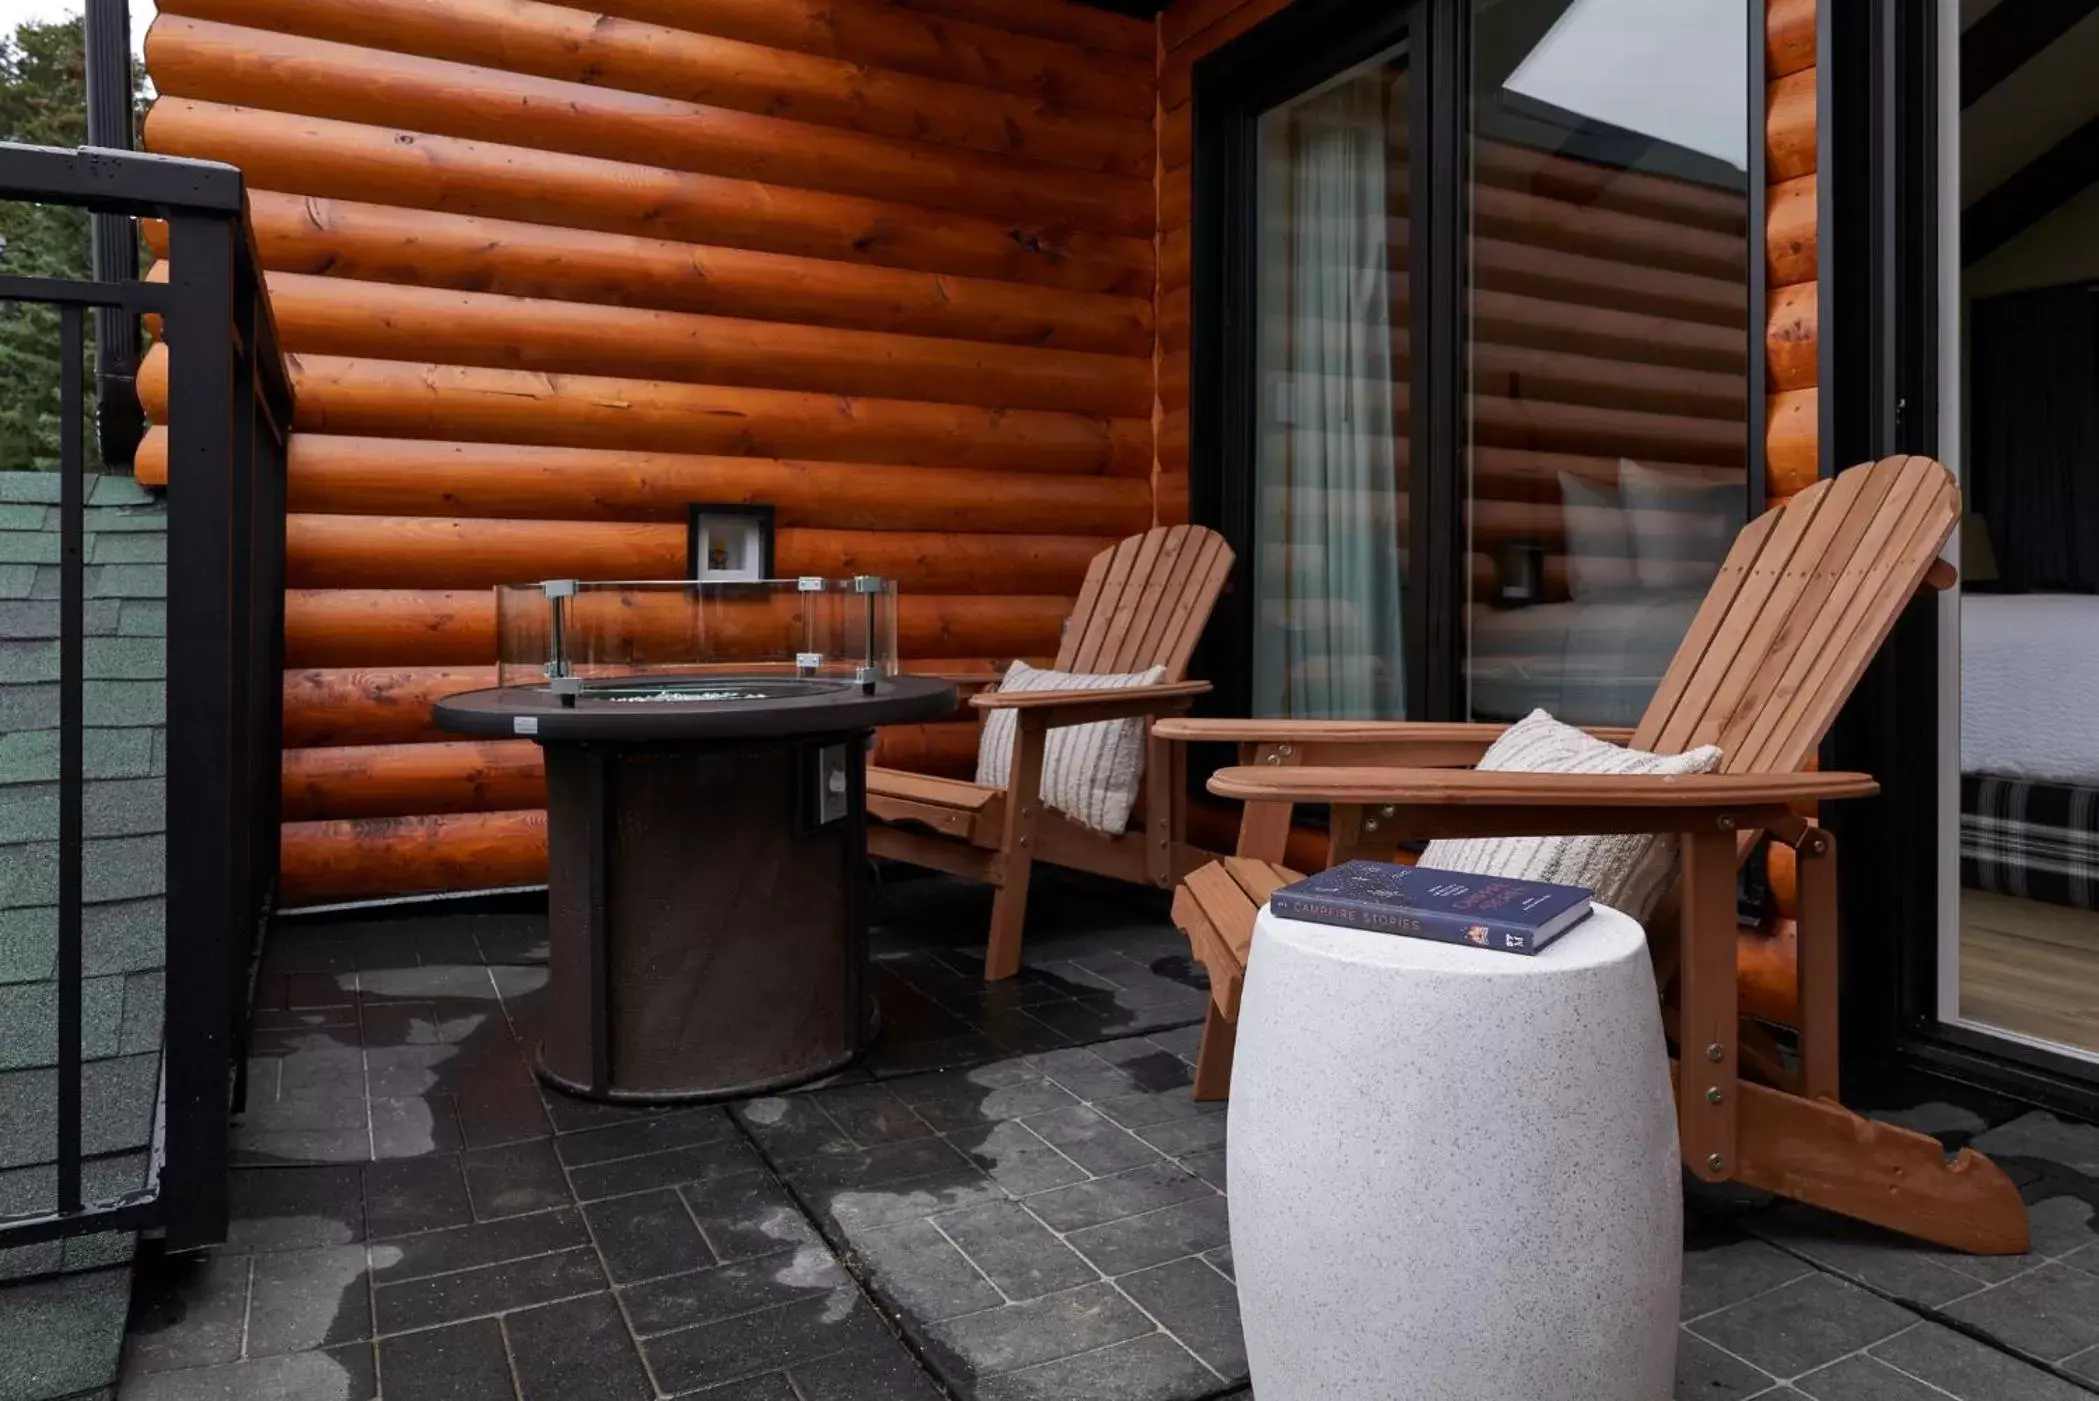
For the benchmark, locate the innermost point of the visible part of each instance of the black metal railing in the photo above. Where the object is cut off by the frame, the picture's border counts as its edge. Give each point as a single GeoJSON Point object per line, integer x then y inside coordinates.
{"type": "Point", "coordinates": [229, 412]}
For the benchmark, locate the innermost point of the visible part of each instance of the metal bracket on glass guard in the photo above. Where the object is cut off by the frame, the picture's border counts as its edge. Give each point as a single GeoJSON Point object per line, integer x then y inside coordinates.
{"type": "Point", "coordinates": [868, 677]}
{"type": "Point", "coordinates": [557, 669]}
{"type": "Point", "coordinates": [807, 662]}
{"type": "Point", "coordinates": [869, 583]}
{"type": "Point", "coordinates": [809, 583]}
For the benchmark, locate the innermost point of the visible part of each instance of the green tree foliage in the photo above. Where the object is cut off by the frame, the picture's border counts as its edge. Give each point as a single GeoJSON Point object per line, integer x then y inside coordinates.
{"type": "Point", "coordinates": [43, 102]}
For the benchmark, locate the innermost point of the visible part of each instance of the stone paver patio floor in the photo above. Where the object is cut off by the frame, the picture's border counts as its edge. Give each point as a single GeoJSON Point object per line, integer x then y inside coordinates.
{"type": "Point", "coordinates": [1014, 1199]}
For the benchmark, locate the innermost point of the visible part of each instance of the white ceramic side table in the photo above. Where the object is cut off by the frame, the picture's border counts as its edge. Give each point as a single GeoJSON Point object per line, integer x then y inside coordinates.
{"type": "Point", "coordinates": [1454, 1171]}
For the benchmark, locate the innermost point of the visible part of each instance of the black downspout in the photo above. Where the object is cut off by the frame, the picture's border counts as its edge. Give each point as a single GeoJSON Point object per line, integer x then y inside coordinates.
{"type": "Point", "coordinates": [120, 422]}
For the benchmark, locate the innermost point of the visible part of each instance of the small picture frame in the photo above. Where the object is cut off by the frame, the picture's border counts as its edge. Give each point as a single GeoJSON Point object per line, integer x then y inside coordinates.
{"type": "Point", "coordinates": [725, 543]}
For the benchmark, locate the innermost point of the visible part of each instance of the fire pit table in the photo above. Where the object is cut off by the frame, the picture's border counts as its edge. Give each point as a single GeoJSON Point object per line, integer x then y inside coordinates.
{"type": "Point", "coordinates": [706, 752]}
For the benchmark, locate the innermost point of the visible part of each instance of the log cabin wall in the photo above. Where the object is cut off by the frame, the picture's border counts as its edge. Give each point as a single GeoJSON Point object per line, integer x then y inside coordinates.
{"type": "Point", "coordinates": [548, 276]}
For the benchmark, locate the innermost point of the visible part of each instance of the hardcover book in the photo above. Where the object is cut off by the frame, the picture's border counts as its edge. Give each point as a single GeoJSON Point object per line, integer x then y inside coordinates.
{"type": "Point", "coordinates": [1489, 912]}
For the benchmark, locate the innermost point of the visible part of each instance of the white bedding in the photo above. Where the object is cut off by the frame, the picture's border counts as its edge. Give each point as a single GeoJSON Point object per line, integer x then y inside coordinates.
{"type": "Point", "coordinates": [2030, 686]}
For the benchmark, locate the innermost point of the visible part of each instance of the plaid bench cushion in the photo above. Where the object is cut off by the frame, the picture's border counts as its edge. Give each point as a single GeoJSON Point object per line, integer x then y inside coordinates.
{"type": "Point", "coordinates": [2036, 840]}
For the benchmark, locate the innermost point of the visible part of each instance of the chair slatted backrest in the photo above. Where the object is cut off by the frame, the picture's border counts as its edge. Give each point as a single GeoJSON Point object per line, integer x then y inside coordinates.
{"type": "Point", "coordinates": [1802, 603]}
{"type": "Point", "coordinates": [1146, 601]}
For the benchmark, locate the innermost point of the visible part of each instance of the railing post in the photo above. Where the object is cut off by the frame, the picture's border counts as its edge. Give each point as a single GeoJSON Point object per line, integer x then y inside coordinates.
{"type": "Point", "coordinates": [205, 913]}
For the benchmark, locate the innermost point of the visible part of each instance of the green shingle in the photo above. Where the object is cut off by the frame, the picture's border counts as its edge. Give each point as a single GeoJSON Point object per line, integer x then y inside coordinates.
{"type": "Point", "coordinates": [34, 1188]}
{"type": "Point", "coordinates": [121, 704]}
{"type": "Point", "coordinates": [17, 580]}
{"type": "Point", "coordinates": [63, 1336]}
{"type": "Point", "coordinates": [110, 489]}
{"type": "Point", "coordinates": [127, 581]}
{"type": "Point", "coordinates": [29, 943]}
{"type": "Point", "coordinates": [29, 1024]}
{"type": "Point", "coordinates": [29, 517]}
{"type": "Point", "coordinates": [124, 807]}
{"type": "Point", "coordinates": [42, 487]}
{"type": "Point", "coordinates": [110, 519]}
{"type": "Point", "coordinates": [30, 814]}
{"type": "Point", "coordinates": [117, 1100]}
{"type": "Point", "coordinates": [31, 756]}
{"type": "Point", "coordinates": [28, 547]}
{"type": "Point", "coordinates": [128, 549]}
{"type": "Point", "coordinates": [123, 868]}
{"type": "Point", "coordinates": [40, 618]}
{"type": "Point", "coordinates": [29, 874]}
{"type": "Point", "coordinates": [145, 1009]}
{"type": "Point", "coordinates": [28, 1117]}
{"type": "Point", "coordinates": [141, 658]}
{"type": "Point", "coordinates": [123, 936]}
{"type": "Point", "coordinates": [32, 707]}
{"type": "Point", "coordinates": [157, 765]}
{"type": "Point", "coordinates": [144, 618]}
{"type": "Point", "coordinates": [28, 661]}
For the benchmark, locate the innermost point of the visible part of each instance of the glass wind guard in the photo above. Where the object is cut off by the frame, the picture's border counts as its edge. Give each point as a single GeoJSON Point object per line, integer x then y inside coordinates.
{"type": "Point", "coordinates": [687, 641]}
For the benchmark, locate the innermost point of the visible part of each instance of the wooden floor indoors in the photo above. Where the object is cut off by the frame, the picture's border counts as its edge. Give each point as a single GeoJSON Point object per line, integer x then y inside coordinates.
{"type": "Point", "coordinates": [2031, 968]}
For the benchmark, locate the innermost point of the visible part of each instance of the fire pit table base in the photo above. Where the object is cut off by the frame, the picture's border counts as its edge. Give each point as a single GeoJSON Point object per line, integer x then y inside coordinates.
{"type": "Point", "coordinates": [704, 935]}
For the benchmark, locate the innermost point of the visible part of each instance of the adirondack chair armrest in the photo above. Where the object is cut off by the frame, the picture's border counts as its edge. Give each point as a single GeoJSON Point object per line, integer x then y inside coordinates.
{"type": "Point", "coordinates": [1060, 708]}
{"type": "Point", "coordinates": [1446, 802]}
{"type": "Point", "coordinates": [1381, 733]}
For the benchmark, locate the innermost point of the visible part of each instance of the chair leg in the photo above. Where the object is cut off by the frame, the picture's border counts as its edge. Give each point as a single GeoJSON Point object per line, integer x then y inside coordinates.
{"type": "Point", "coordinates": [1009, 913]}
{"type": "Point", "coordinates": [1213, 1063]}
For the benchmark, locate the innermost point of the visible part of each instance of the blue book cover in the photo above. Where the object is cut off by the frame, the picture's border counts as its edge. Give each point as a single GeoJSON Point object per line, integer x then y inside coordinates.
{"type": "Point", "coordinates": [1489, 912]}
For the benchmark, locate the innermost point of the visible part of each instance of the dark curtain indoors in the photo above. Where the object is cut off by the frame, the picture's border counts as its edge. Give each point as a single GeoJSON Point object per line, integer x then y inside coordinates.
{"type": "Point", "coordinates": [2033, 394]}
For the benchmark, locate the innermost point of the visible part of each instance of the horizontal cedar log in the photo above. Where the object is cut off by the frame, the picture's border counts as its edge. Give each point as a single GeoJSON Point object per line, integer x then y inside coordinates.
{"type": "Point", "coordinates": [1065, 21]}
{"type": "Point", "coordinates": [447, 403]}
{"type": "Point", "coordinates": [1791, 333]}
{"type": "Point", "coordinates": [886, 36]}
{"type": "Point", "coordinates": [1789, 126]}
{"type": "Point", "coordinates": [348, 160]}
{"type": "Point", "coordinates": [1792, 460]}
{"type": "Point", "coordinates": [407, 477]}
{"type": "Point", "coordinates": [1176, 312]}
{"type": "Point", "coordinates": [1789, 232]}
{"type": "Point", "coordinates": [325, 707]}
{"type": "Point", "coordinates": [399, 780]}
{"type": "Point", "coordinates": [451, 628]}
{"type": "Point", "coordinates": [557, 42]}
{"type": "Point", "coordinates": [454, 775]}
{"type": "Point", "coordinates": [1789, 36]}
{"type": "Point", "coordinates": [365, 858]}
{"type": "Point", "coordinates": [419, 248]}
{"type": "Point", "coordinates": [335, 316]}
{"type": "Point", "coordinates": [409, 552]}
{"type": "Point", "coordinates": [381, 705]}
{"type": "Point", "coordinates": [1182, 20]}
{"type": "Point", "coordinates": [1176, 199]}
{"type": "Point", "coordinates": [316, 78]}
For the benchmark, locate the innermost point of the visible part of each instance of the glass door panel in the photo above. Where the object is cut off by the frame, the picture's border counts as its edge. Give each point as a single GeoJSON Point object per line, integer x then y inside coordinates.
{"type": "Point", "coordinates": [1608, 317]}
{"type": "Point", "coordinates": [1330, 400]}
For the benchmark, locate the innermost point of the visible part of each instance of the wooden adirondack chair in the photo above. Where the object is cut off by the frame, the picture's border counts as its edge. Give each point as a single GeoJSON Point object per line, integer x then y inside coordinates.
{"type": "Point", "coordinates": [1144, 603]}
{"type": "Point", "coordinates": [1801, 605]}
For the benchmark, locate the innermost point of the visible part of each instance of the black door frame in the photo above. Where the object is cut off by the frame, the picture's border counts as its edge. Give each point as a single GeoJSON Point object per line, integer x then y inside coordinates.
{"type": "Point", "coordinates": [1878, 90]}
{"type": "Point", "coordinates": [1296, 49]}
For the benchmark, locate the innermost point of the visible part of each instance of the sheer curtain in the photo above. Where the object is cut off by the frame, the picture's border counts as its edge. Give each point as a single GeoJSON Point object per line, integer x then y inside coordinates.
{"type": "Point", "coordinates": [1327, 643]}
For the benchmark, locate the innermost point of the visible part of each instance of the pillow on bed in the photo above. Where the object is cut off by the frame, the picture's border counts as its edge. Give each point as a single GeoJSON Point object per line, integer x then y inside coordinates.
{"type": "Point", "coordinates": [1628, 872]}
{"type": "Point", "coordinates": [1090, 772]}
{"type": "Point", "coordinates": [1681, 526]}
{"type": "Point", "coordinates": [1599, 542]}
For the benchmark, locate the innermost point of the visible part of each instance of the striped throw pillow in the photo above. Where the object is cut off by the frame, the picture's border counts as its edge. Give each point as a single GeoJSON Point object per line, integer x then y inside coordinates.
{"type": "Point", "coordinates": [1090, 772]}
{"type": "Point", "coordinates": [1628, 872]}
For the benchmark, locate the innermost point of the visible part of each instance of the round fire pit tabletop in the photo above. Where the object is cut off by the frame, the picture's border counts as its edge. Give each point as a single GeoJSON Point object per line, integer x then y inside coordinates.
{"type": "Point", "coordinates": [713, 707]}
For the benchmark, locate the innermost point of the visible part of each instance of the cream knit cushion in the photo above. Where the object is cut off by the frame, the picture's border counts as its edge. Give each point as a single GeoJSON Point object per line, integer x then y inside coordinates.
{"type": "Point", "coordinates": [1628, 873]}
{"type": "Point", "coordinates": [1090, 772]}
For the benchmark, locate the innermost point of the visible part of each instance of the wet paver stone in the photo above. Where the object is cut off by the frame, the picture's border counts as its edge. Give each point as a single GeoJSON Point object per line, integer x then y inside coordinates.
{"type": "Point", "coordinates": [1013, 1198]}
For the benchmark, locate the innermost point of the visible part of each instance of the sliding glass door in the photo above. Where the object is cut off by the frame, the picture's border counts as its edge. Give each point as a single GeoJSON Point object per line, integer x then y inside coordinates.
{"type": "Point", "coordinates": [1608, 330]}
{"type": "Point", "coordinates": [1473, 349]}
{"type": "Point", "coordinates": [1330, 403]}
